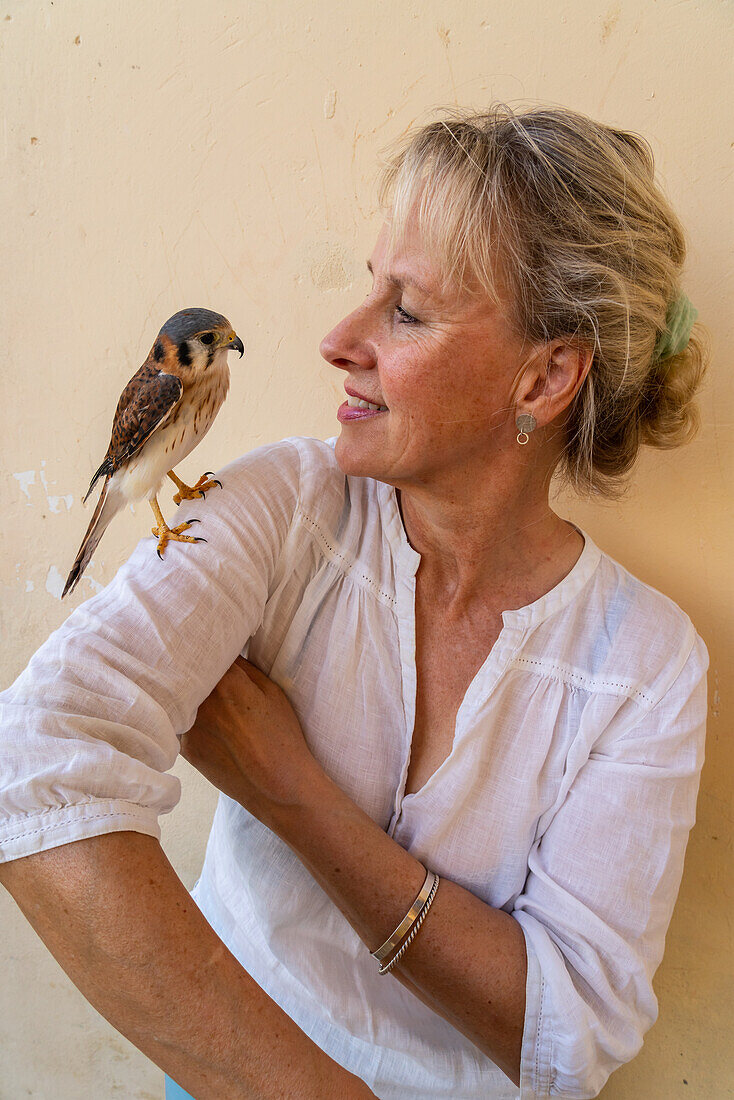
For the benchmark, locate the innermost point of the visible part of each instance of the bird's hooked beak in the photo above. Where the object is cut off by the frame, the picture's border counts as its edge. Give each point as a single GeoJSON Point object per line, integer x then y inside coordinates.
{"type": "Point", "coordinates": [235, 344]}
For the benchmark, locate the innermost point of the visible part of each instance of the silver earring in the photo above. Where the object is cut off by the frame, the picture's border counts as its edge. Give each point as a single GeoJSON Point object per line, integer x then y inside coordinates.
{"type": "Point", "coordinates": [526, 422]}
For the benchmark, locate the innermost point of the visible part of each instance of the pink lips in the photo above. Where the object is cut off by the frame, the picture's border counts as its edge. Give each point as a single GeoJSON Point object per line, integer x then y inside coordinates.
{"type": "Point", "coordinates": [347, 412]}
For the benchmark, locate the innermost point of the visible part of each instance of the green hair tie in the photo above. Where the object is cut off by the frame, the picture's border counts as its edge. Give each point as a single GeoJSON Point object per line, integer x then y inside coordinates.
{"type": "Point", "coordinates": [679, 321]}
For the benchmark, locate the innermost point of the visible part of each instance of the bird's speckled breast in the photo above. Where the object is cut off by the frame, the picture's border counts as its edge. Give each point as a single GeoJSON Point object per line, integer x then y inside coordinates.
{"type": "Point", "coordinates": [173, 441]}
{"type": "Point", "coordinates": [195, 412]}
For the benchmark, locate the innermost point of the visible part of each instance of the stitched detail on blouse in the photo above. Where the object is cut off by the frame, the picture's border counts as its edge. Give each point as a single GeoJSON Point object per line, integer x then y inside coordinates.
{"type": "Point", "coordinates": [72, 821]}
{"type": "Point", "coordinates": [344, 564]}
{"type": "Point", "coordinates": [575, 679]}
{"type": "Point", "coordinates": [537, 1030]}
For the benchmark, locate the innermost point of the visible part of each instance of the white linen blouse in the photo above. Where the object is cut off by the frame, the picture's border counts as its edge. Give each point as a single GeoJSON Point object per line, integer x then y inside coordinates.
{"type": "Point", "coordinates": [566, 799]}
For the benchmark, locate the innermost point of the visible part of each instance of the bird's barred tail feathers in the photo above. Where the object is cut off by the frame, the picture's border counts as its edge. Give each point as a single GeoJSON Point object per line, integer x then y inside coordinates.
{"type": "Point", "coordinates": [107, 508]}
{"type": "Point", "coordinates": [105, 468]}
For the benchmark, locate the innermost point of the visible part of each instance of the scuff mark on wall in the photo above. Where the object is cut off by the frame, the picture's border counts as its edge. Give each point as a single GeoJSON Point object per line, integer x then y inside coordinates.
{"type": "Point", "coordinates": [610, 22]}
{"type": "Point", "coordinates": [329, 271]}
{"type": "Point", "coordinates": [716, 698]}
{"type": "Point", "coordinates": [444, 33]}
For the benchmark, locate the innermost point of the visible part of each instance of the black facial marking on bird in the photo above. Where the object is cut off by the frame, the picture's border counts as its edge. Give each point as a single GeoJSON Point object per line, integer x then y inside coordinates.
{"type": "Point", "coordinates": [165, 409]}
{"type": "Point", "coordinates": [184, 354]}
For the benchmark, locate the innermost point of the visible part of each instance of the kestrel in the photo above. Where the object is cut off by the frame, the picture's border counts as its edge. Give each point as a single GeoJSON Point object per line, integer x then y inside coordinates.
{"type": "Point", "coordinates": [163, 412]}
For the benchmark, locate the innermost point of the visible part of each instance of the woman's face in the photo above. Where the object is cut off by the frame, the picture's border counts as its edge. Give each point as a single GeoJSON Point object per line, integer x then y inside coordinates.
{"type": "Point", "coordinates": [440, 364]}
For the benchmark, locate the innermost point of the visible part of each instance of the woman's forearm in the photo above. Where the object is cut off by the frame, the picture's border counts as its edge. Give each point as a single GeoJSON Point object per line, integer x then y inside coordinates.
{"type": "Point", "coordinates": [115, 915]}
{"type": "Point", "coordinates": [468, 962]}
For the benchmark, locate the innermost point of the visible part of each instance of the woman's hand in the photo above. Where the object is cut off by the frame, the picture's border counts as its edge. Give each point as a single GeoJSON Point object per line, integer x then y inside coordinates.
{"type": "Point", "coordinates": [248, 742]}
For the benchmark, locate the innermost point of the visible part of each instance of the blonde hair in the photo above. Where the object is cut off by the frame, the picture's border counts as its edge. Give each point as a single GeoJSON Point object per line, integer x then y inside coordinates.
{"type": "Point", "coordinates": [588, 247]}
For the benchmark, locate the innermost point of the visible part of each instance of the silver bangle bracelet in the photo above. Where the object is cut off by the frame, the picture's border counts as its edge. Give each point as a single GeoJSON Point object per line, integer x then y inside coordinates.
{"type": "Point", "coordinates": [414, 931]}
{"type": "Point", "coordinates": [409, 918]}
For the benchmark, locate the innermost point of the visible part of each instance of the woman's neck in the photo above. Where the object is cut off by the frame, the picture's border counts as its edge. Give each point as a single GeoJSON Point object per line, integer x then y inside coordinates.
{"type": "Point", "coordinates": [506, 547]}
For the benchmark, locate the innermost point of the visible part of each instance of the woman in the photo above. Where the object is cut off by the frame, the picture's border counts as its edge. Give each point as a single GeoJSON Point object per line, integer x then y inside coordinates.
{"type": "Point", "coordinates": [494, 718]}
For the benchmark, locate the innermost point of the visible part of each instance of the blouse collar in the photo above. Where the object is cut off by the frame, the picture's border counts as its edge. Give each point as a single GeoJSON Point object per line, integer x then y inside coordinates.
{"type": "Point", "coordinates": [533, 613]}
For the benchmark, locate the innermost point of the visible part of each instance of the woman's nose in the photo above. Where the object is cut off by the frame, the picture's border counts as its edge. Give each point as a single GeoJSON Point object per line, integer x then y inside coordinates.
{"type": "Point", "coordinates": [348, 342]}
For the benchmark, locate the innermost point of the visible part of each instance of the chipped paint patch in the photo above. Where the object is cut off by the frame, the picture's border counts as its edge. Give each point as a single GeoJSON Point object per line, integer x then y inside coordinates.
{"type": "Point", "coordinates": [54, 501]}
{"type": "Point", "coordinates": [96, 586]}
{"type": "Point", "coordinates": [26, 478]}
{"type": "Point", "coordinates": [29, 586]}
{"type": "Point", "coordinates": [54, 582]}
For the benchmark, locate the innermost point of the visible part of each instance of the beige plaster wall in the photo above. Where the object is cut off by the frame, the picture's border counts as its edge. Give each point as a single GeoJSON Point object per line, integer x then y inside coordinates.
{"type": "Point", "coordinates": [178, 153]}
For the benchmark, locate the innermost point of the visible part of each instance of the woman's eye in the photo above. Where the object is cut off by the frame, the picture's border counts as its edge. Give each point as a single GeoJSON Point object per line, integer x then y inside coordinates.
{"type": "Point", "coordinates": [207, 338]}
{"type": "Point", "coordinates": [405, 317]}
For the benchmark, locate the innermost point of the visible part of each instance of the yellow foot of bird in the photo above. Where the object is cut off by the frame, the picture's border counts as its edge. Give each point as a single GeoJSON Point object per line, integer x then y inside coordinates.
{"type": "Point", "coordinates": [166, 534]}
{"type": "Point", "coordinates": [191, 492]}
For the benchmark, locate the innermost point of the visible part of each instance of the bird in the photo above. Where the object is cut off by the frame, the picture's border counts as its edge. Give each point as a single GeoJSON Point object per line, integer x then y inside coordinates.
{"type": "Point", "coordinates": [166, 408]}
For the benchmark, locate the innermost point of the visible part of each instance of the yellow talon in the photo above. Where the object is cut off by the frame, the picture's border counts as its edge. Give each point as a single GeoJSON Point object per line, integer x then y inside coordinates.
{"type": "Point", "coordinates": [166, 534]}
{"type": "Point", "coordinates": [192, 492]}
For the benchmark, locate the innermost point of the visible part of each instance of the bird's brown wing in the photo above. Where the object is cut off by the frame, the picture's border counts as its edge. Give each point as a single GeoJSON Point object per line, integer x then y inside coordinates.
{"type": "Point", "coordinates": [146, 403]}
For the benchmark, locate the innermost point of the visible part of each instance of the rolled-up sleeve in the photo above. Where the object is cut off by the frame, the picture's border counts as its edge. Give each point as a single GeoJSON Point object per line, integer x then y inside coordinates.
{"type": "Point", "coordinates": [90, 728]}
{"type": "Point", "coordinates": [602, 883]}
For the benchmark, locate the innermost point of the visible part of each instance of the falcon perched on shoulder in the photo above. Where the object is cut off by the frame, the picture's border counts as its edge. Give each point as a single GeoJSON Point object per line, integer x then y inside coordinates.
{"type": "Point", "coordinates": [164, 410]}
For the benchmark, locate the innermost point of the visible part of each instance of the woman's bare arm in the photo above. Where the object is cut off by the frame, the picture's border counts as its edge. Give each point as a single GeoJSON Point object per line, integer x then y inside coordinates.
{"type": "Point", "coordinates": [468, 962]}
{"type": "Point", "coordinates": [117, 918]}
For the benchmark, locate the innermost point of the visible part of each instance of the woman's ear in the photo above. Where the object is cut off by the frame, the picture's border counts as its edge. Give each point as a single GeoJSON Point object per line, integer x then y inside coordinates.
{"type": "Point", "coordinates": [559, 373]}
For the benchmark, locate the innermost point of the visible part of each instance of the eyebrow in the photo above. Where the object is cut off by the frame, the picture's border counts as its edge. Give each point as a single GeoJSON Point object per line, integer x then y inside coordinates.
{"type": "Point", "coordinates": [401, 283]}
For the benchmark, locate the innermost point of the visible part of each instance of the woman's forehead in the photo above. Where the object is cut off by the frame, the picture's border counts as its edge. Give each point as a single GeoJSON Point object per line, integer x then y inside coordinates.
{"type": "Point", "coordinates": [406, 258]}
{"type": "Point", "coordinates": [462, 239]}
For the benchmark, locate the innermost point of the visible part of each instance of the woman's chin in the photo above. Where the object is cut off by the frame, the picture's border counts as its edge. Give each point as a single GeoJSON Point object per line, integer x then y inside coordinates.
{"type": "Point", "coordinates": [355, 460]}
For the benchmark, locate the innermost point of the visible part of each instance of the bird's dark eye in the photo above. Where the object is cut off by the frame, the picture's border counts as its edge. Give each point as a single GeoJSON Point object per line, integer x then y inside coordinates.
{"type": "Point", "coordinates": [207, 338]}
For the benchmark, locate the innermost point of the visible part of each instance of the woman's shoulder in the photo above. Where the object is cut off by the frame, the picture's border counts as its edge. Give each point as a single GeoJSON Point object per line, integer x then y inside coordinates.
{"type": "Point", "coordinates": [648, 604]}
{"type": "Point", "coordinates": [616, 635]}
{"type": "Point", "coordinates": [296, 462]}
{"type": "Point", "coordinates": [305, 471]}
{"type": "Point", "coordinates": [653, 637]}
{"type": "Point", "coordinates": [340, 518]}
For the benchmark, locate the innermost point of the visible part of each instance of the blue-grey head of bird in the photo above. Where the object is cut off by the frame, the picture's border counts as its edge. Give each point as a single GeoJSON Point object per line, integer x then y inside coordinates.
{"type": "Point", "coordinates": [194, 339]}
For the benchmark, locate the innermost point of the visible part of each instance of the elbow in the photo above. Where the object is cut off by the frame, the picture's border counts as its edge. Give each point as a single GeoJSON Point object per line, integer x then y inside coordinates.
{"type": "Point", "coordinates": [580, 1026]}
{"type": "Point", "coordinates": [583, 1060]}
